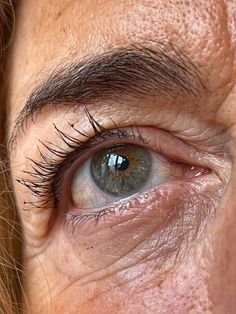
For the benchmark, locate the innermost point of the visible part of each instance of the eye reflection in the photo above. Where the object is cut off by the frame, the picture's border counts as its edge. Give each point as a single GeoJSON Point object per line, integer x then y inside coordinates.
{"type": "Point", "coordinates": [124, 170]}
{"type": "Point", "coordinates": [121, 171]}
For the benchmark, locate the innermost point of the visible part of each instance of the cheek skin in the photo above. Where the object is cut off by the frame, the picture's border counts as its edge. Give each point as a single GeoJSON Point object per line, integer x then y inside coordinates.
{"type": "Point", "coordinates": [136, 254]}
{"type": "Point", "coordinates": [182, 290]}
{"type": "Point", "coordinates": [223, 252]}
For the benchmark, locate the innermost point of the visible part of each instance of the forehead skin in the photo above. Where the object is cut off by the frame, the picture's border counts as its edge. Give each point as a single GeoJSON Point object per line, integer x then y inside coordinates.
{"type": "Point", "coordinates": [79, 28]}
{"type": "Point", "coordinates": [47, 31]}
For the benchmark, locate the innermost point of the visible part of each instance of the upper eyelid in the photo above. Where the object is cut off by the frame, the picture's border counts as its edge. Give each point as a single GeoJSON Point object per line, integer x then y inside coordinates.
{"type": "Point", "coordinates": [44, 177]}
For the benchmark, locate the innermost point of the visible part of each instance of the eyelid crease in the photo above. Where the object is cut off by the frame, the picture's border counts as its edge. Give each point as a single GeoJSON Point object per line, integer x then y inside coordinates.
{"type": "Point", "coordinates": [127, 73]}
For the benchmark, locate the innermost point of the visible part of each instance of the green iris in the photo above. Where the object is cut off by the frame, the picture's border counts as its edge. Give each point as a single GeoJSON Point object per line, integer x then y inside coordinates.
{"type": "Point", "coordinates": [121, 170]}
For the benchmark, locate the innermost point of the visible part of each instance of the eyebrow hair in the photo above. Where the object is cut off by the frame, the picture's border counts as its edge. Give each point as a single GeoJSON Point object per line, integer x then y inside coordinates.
{"type": "Point", "coordinates": [125, 73]}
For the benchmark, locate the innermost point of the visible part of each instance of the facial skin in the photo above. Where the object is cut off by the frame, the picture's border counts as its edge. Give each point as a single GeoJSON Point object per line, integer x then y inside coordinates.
{"type": "Point", "coordinates": [171, 250]}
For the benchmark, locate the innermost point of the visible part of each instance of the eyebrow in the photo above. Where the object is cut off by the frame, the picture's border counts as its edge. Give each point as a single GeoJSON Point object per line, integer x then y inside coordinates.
{"type": "Point", "coordinates": [126, 73]}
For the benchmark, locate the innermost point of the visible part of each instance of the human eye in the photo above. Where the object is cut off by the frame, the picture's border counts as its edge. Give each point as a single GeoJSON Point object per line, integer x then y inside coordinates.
{"type": "Point", "coordinates": [121, 173]}
{"type": "Point", "coordinates": [106, 172]}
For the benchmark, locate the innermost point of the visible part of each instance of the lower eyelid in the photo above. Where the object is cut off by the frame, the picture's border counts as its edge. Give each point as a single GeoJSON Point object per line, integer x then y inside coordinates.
{"type": "Point", "coordinates": [166, 196]}
{"type": "Point", "coordinates": [154, 224]}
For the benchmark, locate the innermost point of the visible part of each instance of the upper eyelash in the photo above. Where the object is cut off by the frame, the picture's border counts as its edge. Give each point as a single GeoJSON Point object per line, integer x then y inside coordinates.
{"type": "Point", "coordinates": [45, 179]}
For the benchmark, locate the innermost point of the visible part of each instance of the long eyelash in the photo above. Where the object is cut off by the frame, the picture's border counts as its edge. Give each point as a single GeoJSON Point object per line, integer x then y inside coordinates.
{"type": "Point", "coordinates": [45, 178]}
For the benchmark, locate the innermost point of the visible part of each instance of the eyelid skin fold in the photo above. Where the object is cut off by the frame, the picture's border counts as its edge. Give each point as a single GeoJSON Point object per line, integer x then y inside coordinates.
{"type": "Point", "coordinates": [138, 71]}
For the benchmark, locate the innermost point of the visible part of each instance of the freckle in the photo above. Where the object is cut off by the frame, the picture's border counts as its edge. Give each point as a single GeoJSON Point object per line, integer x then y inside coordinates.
{"type": "Point", "coordinates": [58, 15]}
{"type": "Point", "coordinates": [91, 247]}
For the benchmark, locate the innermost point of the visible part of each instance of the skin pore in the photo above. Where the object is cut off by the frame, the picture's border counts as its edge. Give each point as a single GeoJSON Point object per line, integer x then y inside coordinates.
{"type": "Point", "coordinates": [171, 247]}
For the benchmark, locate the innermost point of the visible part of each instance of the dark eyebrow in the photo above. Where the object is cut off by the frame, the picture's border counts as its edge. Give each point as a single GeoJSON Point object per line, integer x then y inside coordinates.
{"type": "Point", "coordinates": [125, 73]}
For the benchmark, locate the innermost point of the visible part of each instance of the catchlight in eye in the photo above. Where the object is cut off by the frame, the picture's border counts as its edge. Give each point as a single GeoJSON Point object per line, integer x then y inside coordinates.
{"type": "Point", "coordinates": [122, 170]}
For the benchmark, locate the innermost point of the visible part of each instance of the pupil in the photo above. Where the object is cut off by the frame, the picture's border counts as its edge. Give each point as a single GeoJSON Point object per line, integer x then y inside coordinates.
{"type": "Point", "coordinates": [117, 162]}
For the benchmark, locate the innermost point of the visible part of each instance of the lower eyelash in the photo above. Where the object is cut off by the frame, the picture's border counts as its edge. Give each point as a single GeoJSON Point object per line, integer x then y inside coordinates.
{"type": "Point", "coordinates": [76, 219]}
{"type": "Point", "coordinates": [46, 177]}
